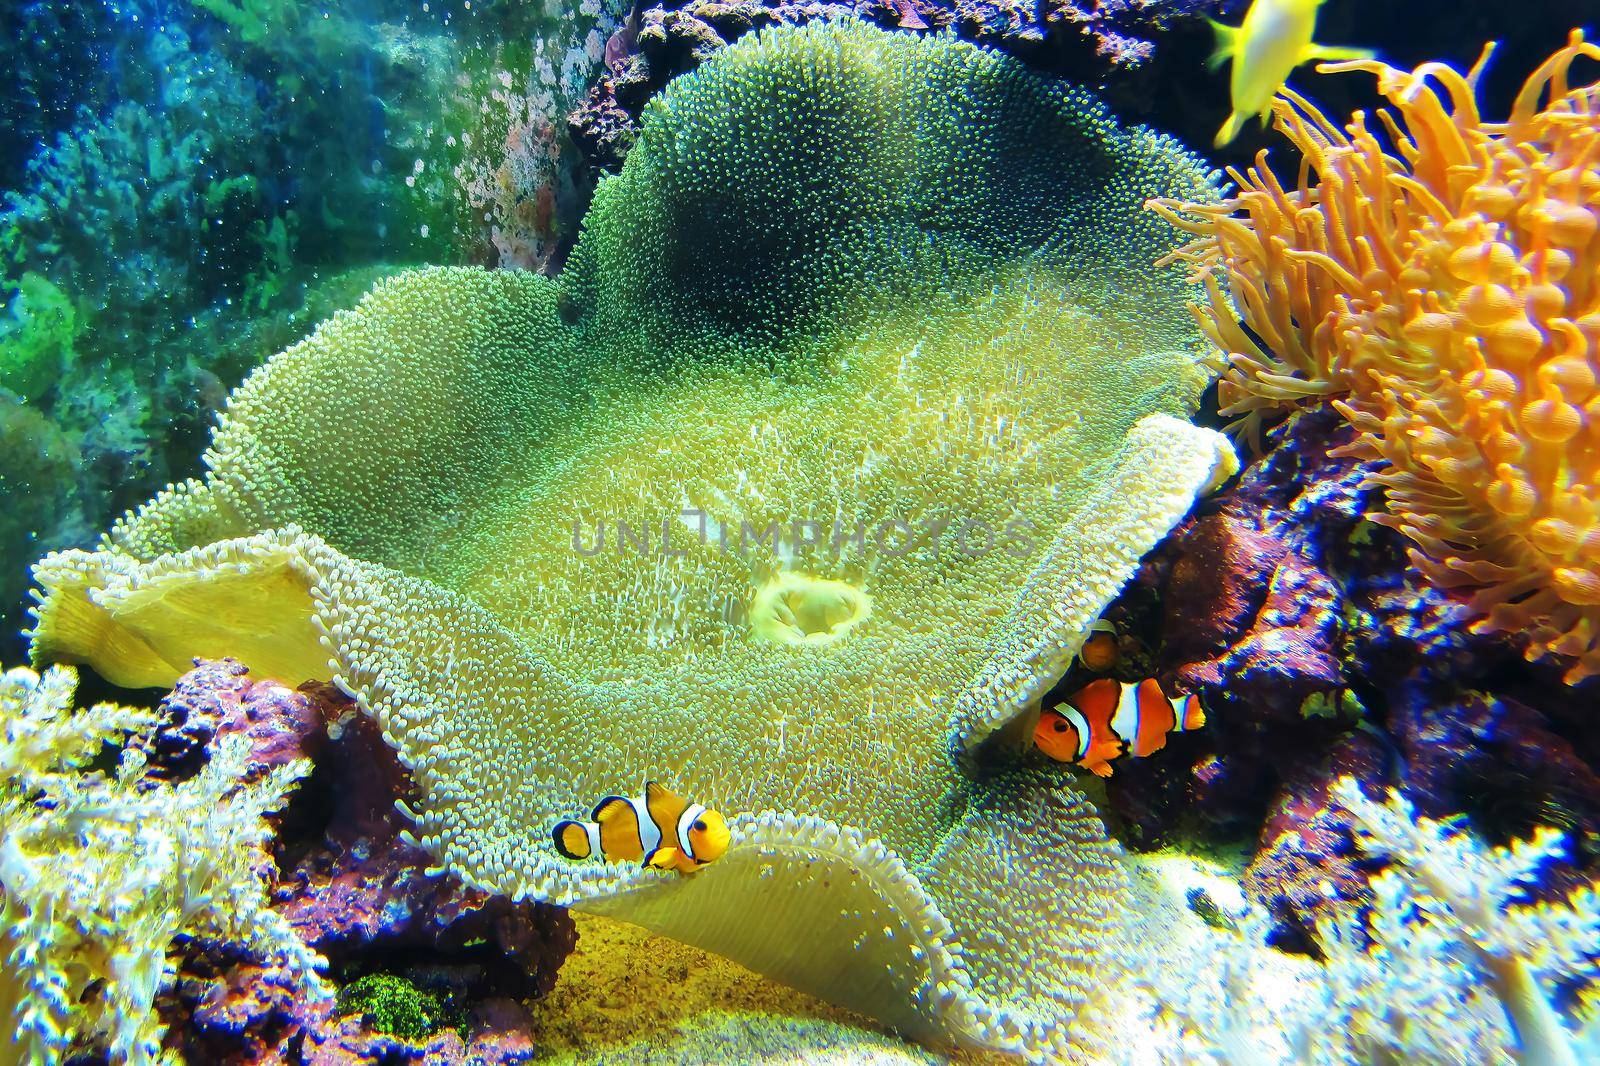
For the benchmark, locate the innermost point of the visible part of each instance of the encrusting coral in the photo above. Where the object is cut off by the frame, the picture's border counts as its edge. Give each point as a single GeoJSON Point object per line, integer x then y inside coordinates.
{"type": "Point", "coordinates": [85, 956]}
{"type": "Point", "coordinates": [864, 309]}
{"type": "Point", "coordinates": [1447, 299]}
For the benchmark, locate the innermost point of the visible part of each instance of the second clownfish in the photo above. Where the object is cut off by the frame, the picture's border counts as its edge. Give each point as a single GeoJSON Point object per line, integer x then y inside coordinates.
{"type": "Point", "coordinates": [1107, 719]}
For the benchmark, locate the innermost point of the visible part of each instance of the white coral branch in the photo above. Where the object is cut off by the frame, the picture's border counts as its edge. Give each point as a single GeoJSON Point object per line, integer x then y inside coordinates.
{"type": "Point", "coordinates": [1468, 897]}
{"type": "Point", "coordinates": [99, 875]}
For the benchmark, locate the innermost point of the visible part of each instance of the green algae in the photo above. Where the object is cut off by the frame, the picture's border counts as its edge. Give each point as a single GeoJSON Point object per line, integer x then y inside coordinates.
{"type": "Point", "coordinates": [391, 1004]}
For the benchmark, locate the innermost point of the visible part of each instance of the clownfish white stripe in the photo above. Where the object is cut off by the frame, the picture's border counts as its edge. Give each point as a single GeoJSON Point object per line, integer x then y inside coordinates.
{"type": "Point", "coordinates": [1180, 708]}
{"type": "Point", "coordinates": [592, 831]}
{"type": "Point", "coordinates": [1125, 723]}
{"type": "Point", "coordinates": [685, 820]}
{"type": "Point", "coordinates": [649, 832]}
{"type": "Point", "coordinates": [1072, 715]}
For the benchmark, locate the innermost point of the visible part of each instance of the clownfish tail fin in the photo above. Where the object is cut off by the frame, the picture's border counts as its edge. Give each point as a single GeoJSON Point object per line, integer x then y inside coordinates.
{"type": "Point", "coordinates": [572, 840]}
{"type": "Point", "coordinates": [1191, 715]}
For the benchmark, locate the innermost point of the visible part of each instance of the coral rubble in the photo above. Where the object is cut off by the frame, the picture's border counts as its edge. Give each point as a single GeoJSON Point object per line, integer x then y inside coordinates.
{"type": "Point", "coordinates": [892, 299]}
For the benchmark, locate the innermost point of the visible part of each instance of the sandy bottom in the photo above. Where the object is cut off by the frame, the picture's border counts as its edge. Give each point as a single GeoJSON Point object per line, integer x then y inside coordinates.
{"type": "Point", "coordinates": [628, 996]}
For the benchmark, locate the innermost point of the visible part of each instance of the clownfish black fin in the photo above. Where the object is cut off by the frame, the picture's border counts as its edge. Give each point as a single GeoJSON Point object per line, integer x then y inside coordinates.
{"type": "Point", "coordinates": [663, 858]}
{"type": "Point", "coordinates": [607, 808]}
{"type": "Point", "coordinates": [571, 831]}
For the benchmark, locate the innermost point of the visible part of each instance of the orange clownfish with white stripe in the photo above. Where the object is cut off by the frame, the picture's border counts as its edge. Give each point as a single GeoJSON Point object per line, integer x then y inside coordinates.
{"type": "Point", "coordinates": [662, 830]}
{"type": "Point", "coordinates": [1106, 719]}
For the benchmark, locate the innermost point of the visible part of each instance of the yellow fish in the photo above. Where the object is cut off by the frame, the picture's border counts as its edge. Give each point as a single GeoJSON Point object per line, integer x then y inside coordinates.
{"type": "Point", "coordinates": [661, 829]}
{"type": "Point", "coordinates": [1275, 38]}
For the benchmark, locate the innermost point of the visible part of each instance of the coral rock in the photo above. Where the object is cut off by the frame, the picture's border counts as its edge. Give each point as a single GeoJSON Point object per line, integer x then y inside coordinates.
{"type": "Point", "coordinates": [219, 698]}
{"type": "Point", "coordinates": [672, 37]}
{"type": "Point", "coordinates": [1321, 654]}
{"type": "Point", "coordinates": [1225, 561]}
{"type": "Point", "coordinates": [357, 891]}
{"type": "Point", "coordinates": [1307, 864]}
{"type": "Point", "coordinates": [1505, 765]}
{"type": "Point", "coordinates": [1253, 613]}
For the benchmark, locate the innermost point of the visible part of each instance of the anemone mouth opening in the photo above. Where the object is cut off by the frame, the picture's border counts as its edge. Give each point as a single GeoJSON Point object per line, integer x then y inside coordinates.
{"type": "Point", "coordinates": [792, 608]}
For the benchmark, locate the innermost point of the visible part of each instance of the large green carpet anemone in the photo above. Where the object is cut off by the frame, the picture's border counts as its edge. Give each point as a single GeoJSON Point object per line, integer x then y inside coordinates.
{"type": "Point", "coordinates": [858, 401]}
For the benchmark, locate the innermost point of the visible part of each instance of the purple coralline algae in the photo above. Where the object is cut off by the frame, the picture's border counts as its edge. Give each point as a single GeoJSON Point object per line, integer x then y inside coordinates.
{"type": "Point", "coordinates": [1307, 867]}
{"type": "Point", "coordinates": [354, 887]}
{"type": "Point", "coordinates": [668, 38]}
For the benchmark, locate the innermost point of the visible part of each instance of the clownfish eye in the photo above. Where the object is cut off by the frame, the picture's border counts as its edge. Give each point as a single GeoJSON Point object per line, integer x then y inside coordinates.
{"type": "Point", "coordinates": [699, 827]}
{"type": "Point", "coordinates": [1060, 726]}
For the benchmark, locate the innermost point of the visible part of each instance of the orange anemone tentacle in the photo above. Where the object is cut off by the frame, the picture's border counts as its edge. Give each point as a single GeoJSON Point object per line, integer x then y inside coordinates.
{"type": "Point", "coordinates": [1444, 292]}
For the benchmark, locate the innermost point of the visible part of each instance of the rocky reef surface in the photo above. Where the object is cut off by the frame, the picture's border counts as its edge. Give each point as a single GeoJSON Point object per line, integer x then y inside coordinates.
{"type": "Point", "coordinates": [355, 889]}
{"type": "Point", "coordinates": [1322, 655]}
{"type": "Point", "coordinates": [661, 40]}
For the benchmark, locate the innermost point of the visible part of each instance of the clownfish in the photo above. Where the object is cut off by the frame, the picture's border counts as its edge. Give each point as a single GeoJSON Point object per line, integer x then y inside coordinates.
{"type": "Point", "coordinates": [1275, 38]}
{"type": "Point", "coordinates": [1100, 652]}
{"type": "Point", "coordinates": [661, 830]}
{"type": "Point", "coordinates": [1106, 719]}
